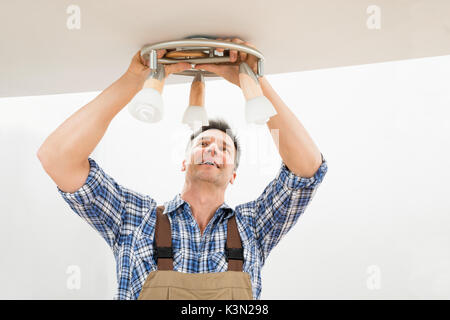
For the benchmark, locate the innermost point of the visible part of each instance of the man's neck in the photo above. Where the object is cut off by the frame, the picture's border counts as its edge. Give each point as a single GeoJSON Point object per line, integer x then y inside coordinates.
{"type": "Point", "coordinates": [204, 200]}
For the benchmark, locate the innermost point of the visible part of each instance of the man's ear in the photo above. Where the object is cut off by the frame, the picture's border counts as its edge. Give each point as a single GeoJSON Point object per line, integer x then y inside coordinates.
{"type": "Point", "coordinates": [233, 177]}
{"type": "Point", "coordinates": [183, 165]}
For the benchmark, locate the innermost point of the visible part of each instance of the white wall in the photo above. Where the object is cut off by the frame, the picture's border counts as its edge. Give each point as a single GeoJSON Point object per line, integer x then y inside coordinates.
{"type": "Point", "coordinates": [377, 227]}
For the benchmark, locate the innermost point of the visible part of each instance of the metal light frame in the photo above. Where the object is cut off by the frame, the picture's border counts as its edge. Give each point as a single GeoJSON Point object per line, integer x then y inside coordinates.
{"type": "Point", "coordinates": [200, 43]}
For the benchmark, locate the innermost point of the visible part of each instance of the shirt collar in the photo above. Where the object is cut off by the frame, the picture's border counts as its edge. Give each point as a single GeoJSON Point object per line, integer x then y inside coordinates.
{"type": "Point", "coordinates": [177, 201]}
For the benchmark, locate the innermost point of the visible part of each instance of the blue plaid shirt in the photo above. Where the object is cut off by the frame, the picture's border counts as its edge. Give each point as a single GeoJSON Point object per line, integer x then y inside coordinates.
{"type": "Point", "coordinates": [126, 220]}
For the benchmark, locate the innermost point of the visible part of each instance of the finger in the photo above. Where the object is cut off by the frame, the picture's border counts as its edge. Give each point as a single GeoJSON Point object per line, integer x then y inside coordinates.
{"type": "Point", "coordinates": [160, 53]}
{"type": "Point", "coordinates": [220, 49]}
{"type": "Point", "coordinates": [214, 68]}
{"type": "Point", "coordinates": [249, 45]}
{"type": "Point", "coordinates": [137, 57]}
{"type": "Point", "coordinates": [251, 59]}
{"type": "Point", "coordinates": [233, 53]}
{"type": "Point", "coordinates": [242, 55]}
{"type": "Point", "coordinates": [177, 67]}
{"type": "Point", "coordinates": [207, 67]}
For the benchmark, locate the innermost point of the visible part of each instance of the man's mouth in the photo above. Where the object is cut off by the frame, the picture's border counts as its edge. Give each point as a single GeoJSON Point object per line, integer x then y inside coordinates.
{"type": "Point", "coordinates": [209, 163]}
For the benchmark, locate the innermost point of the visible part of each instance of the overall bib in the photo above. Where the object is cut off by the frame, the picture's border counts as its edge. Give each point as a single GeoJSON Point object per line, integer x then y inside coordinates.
{"type": "Point", "coordinates": [167, 284]}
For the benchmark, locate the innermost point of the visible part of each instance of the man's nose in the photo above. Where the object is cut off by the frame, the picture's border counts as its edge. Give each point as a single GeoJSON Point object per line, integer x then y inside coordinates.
{"type": "Point", "coordinates": [212, 148]}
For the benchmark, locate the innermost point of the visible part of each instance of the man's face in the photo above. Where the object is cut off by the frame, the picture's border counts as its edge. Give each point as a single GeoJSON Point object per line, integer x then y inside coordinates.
{"type": "Point", "coordinates": [216, 147]}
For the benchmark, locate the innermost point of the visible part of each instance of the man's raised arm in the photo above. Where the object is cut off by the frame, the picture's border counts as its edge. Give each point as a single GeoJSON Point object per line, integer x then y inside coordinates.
{"type": "Point", "coordinates": [64, 154]}
{"type": "Point", "coordinates": [296, 148]}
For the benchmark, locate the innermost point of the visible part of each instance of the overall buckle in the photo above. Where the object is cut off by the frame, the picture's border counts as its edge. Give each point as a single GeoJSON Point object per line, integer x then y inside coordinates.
{"type": "Point", "coordinates": [234, 254]}
{"type": "Point", "coordinates": [164, 252]}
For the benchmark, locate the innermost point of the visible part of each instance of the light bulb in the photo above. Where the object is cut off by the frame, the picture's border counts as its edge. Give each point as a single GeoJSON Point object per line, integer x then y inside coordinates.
{"type": "Point", "coordinates": [147, 105]}
{"type": "Point", "coordinates": [195, 117]}
{"type": "Point", "coordinates": [195, 114]}
{"type": "Point", "coordinates": [258, 109]}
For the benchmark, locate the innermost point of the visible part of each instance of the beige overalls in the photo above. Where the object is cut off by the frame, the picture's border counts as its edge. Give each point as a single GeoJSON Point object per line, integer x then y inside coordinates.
{"type": "Point", "coordinates": [167, 284]}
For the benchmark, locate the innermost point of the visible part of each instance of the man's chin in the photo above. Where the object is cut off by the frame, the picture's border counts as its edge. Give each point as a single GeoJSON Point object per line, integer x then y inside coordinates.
{"type": "Point", "coordinates": [207, 175]}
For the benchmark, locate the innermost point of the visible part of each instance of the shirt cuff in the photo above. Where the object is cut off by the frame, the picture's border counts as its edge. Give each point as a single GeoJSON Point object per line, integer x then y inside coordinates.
{"type": "Point", "coordinates": [292, 181]}
{"type": "Point", "coordinates": [89, 190]}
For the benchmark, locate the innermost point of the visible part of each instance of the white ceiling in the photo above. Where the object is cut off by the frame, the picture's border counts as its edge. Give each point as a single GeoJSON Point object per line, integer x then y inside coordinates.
{"type": "Point", "coordinates": [40, 55]}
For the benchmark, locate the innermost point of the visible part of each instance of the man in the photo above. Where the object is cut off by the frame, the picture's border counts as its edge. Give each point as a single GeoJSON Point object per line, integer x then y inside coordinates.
{"type": "Point", "coordinates": [198, 222]}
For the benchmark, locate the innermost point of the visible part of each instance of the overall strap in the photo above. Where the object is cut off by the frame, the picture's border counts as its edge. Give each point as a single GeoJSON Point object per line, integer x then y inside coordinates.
{"type": "Point", "coordinates": [234, 251]}
{"type": "Point", "coordinates": [163, 241]}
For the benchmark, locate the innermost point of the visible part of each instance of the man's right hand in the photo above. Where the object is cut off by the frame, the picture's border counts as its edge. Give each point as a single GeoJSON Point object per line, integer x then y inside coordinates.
{"type": "Point", "coordinates": [139, 70]}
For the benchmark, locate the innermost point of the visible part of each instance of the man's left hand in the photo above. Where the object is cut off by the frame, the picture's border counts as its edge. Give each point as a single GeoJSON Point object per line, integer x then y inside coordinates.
{"type": "Point", "coordinates": [230, 72]}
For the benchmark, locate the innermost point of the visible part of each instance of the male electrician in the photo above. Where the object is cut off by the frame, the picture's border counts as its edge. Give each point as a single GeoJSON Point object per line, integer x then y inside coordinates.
{"type": "Point", "coordinates": [194, 246]}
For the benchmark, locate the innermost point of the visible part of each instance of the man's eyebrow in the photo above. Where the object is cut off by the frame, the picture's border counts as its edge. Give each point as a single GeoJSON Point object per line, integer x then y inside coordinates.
{"type": "Point", "coordinates": [209, 138]}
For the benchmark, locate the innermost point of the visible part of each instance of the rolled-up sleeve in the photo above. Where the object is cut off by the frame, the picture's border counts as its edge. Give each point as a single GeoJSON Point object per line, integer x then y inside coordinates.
{"type": "Point", "coordinates": [281, 203]}
{"type": "Point", "coordinates": [111, 209]}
